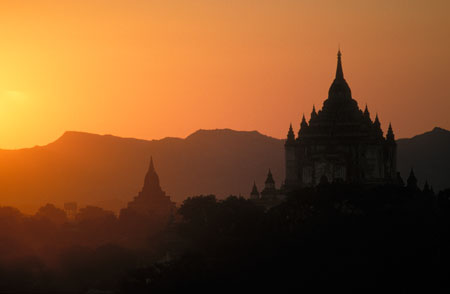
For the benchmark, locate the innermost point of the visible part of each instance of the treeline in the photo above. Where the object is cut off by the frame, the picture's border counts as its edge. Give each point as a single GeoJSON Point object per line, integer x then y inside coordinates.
{"type": "Point", "coordinates": [50, 253]}
{"type": "Point", "coordinates": [343, 237]}
{"type": "Point", "coordinates": [338, 237]}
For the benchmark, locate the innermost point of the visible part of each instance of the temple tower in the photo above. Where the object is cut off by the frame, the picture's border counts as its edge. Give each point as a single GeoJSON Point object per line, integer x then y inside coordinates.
{"type": "Point", "coordinates": [290, 157]}
{"type": "Point", "coordinates": [340, 143]}
{"type": "Point", "coordinates": [254, 195]}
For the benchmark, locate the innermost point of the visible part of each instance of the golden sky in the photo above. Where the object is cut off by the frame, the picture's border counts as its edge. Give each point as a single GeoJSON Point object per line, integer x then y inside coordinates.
{"type": "Point", "coordinates": [151, 69]}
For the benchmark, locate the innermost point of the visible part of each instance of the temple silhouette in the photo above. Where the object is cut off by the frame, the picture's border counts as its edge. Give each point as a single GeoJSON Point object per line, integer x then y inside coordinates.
{"type": "Point", "coordinates": [151, 202]}
{"type": "Point", "coordinates": [340, 143]}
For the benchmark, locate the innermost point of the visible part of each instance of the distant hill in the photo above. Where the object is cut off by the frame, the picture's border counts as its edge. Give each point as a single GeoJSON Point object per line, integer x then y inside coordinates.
{"type": "Point", "coordinates": [429, 155]}
{"type": "Point", "coordinates": [108, 171]}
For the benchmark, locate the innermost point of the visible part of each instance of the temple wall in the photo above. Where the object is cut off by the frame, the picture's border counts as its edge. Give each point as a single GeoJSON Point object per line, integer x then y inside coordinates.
{"type": "Point", "coordinates": [291, 165]}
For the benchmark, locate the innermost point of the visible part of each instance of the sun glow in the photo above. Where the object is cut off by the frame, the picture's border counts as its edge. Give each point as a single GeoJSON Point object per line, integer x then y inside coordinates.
{"type": "Point", "coordinates": [151, 69]}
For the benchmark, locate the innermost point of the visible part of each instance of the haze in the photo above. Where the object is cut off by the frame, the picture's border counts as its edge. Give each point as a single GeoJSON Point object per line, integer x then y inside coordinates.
{"type": "Point", "coordinates": [151, 69]}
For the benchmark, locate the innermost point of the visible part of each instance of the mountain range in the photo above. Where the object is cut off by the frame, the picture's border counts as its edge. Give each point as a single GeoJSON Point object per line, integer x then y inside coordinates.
{"type": "Point", "coordinates": [108, 171]}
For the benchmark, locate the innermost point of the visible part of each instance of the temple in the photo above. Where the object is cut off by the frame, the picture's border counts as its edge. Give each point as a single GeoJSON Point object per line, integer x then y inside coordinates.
{"type": "Point", "coordinates": [270, 196]}
{"type": "Point", "coordinates": [151, 201]}
{"type": "Point", "coordinates": [340, 143]}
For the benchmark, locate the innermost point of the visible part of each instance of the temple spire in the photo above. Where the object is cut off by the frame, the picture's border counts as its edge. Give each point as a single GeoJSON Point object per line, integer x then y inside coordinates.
{"type": "Point", "coordinates": [290, 135]}
{"type": "Point", "coordinates": [303, 123]}
{"type": "Point", "coordinates": [412, 180]}
{"type": "Point", "coordinates": [269, 177]}
{"type": "Point", "coordinates": [367, 114]}
{"type": "Point", "coordinates": [254, 186]}
{"type": "Point", "coordinates": [270, 183]}
{"type": "Point", "coordinates": [377, 127]}
{"type": "Point", "coordinates": [339, 88]}
{"type": "Point", "coordinates": [377, 121]}
{"type": "Point", "coordinates": [313, 113]}
{"type": "Point", "coordinates": [303, 126]}
{"type": "Point", "coordinates": [151, 167]}
{"type": "Point", "coordinates": [254, 194]}
{"type": "Point", "coordinates": [339, 72]}
{"type": "Point", "coordinates": [151, 181]}
{"type": "Point", "coordinates": [390, 134]}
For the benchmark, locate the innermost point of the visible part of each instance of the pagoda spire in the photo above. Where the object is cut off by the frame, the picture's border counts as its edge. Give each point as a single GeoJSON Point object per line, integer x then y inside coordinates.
{"type": "Point", "coordinates": [254, 194]}
{"type": "Point", "coordinates": [339, 88]}
{"type": "Point", "coordinates": [290, 135]}
{"type": "Point", "coordinates": [255, 189]}
{"type": "Point", "coordinates": [377, 121]}
{"type": "Point", "coordinates": [303, 126]}
{"type": "Point", "coordinates": [412, 180]}
{"type": "Point", "coordinates": [269, 183]}
{"type": "Point", "coordinates": [151, 167]}
{"type": "Point", "coordinates": [367, 113]}
{"type": "Point", "coordinates": [303, 123]}
{"type": "Point", "coordinates": [377, 127]}
{"type": "Point", "coordinates": [313, 113]}
{"type": "Point", "coordinates": [151, 181]}
{"type": "Point", "coordinates": [269, 177]}
{"type": "Point", "coordinates": [339, 71]}
{"type": "Point", "coordinates": [390, 134]}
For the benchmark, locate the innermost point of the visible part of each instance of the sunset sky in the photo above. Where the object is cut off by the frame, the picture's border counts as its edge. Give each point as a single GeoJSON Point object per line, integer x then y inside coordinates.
{"type": "Point", "coordinates": [151, 69]}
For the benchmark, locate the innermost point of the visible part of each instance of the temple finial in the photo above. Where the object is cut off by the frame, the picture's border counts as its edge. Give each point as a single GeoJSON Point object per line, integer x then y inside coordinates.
{"type": "Point", "coordinates": [339, 72]}
{"type": "Point", "coordinates": [390, 134]}
{"type": "Point", "coordinates": [152, 167]}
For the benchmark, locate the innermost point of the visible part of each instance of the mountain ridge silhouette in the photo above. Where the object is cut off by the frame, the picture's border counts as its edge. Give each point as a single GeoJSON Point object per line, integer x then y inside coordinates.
{"type": "Point", "coordinates": [108, 171]}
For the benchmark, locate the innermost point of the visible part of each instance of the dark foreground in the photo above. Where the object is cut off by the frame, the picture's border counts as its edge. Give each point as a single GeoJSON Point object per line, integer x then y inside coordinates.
{"type": "Point", "coordinates": [337, 237]}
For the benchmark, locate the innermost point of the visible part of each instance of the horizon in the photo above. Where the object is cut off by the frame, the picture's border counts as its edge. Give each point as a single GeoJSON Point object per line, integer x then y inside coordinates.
{"type": "Point", "coordinates": [155, 70]}
{"type": "Point", "coordinates": [183, 138]}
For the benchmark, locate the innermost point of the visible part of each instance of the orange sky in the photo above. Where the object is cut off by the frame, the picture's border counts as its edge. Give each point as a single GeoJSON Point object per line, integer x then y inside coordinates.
{"type": "Point", "coordinates": [150, 69]}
